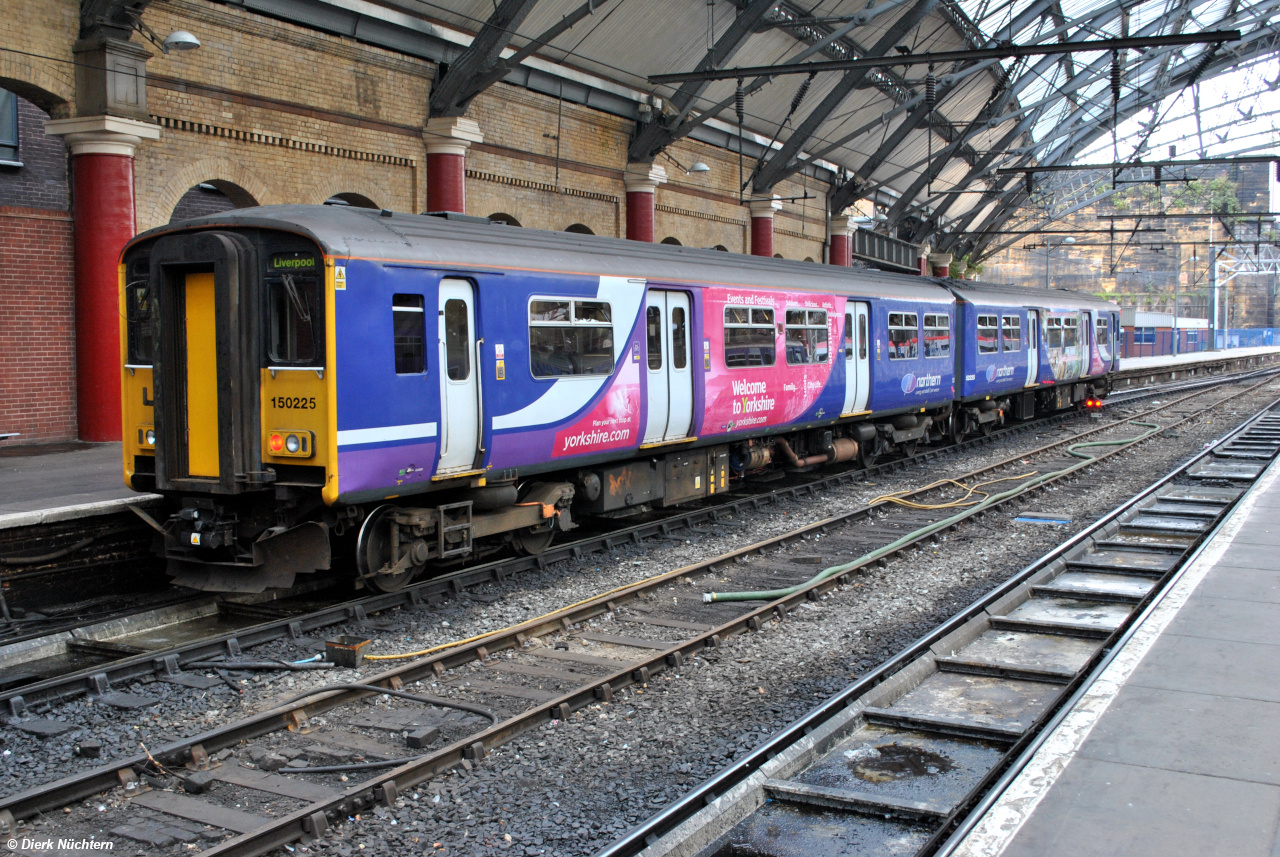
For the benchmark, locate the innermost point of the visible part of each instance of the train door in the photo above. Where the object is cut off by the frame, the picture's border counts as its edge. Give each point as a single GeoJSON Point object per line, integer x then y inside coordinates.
{"type": "Point", "coordinates": [459, 377]}
{"type": "Point", "coordinates": [201, 347]}
{"type": "Point", "coordinates": [1033, 346]}
{"type": "Point", "coordinates": [670, 380]}
{"type": "Point", "coordinates": [1087, 343]}
{"type": "Point", "coordinates": [857, 362]}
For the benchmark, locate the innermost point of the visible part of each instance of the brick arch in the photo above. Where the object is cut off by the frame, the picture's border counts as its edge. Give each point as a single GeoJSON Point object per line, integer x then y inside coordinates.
{"type": "Point", "coordinates": [215, 170]}
{"type": "Point", "coordinates": [368, 187]}
{"type": "Point", "coordinates": [52, 93]}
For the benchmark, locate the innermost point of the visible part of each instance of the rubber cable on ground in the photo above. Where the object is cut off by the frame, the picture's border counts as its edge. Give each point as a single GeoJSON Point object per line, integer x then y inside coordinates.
{"type": "Point", "coordinates": [836, 570]}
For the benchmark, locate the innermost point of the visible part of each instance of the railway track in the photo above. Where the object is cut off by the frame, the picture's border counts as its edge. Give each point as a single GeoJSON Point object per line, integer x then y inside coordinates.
{"type": "Point", "coordinates": [522, 682]}
{"type": "Point", "coordinates": [157, 634]}
{"type": "Point", "coordinates": [107, 560]}
{"type": "Point", "coordinates": [904, 759]}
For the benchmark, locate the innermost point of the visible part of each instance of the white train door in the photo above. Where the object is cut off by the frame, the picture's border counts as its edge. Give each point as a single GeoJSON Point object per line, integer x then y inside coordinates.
{"type": "Point", "coordinates": [459, 384]}
{"type": "Point", "coordinates": [857, 362]}
{"type": "Point", "coordinates": [670, 375]}
{"type": "Point", "coordinates": [1033, 346]}
{"type": "Point", "coordinates": [1088, 341]}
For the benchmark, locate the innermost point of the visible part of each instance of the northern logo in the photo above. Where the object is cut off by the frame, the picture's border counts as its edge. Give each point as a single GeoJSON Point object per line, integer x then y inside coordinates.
{"type": "Point", "coordinates": [911, 383]}
{"type": "Point", "coordinates": [991, 373]}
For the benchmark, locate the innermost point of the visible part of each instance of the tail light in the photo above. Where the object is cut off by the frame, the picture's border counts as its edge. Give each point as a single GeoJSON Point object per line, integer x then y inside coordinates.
{"type": "Point", "coordinates": [291, 444]}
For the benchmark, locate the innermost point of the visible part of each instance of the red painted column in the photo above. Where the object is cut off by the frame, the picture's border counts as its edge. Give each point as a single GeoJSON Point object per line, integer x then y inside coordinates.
{"type": "Point", "coordinates": [840, 246]}
{"type": "Point", "coordinates": [922, 259]}
{"type": "Point", "coordinates": [102, 149]}
{"type": "Point", "coordinates": [447, 139]}
{"type": "Point", "coordinates": [762, 211]}
{"type": "Point", "coordinates": [641, 181]}
{"type": "Point", "coordinates": [941, 264]}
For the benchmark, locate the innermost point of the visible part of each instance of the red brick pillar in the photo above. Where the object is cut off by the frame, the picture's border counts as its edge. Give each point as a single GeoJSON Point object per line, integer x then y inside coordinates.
{"type": "Point", "coordinates": [641, 181]}
{"type": "Point", "coordinates": [941, 264]}
{"type": "Point", "coordinates": [840, 245]}
{"type": "Point", "coordinates": [102, 150]}
{"type": "Point", "coordinates": [762, 211]}
{"type": "Point", "coordinates": [447, 139]}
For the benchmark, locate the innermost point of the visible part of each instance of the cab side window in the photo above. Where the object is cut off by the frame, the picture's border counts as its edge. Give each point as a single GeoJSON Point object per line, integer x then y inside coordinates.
{"type": "Point", "coordinates": [408, 320]}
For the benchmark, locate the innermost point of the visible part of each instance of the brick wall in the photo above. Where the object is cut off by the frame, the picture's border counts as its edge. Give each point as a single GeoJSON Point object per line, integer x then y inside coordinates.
{"type": "Point", "coordinates": [41, 181]}
{"type": "Point", "coordinates": [37, 325]}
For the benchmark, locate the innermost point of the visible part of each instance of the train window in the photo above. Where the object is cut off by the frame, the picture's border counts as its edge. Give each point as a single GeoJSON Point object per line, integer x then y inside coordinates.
{"type": "Point", "coordinates": [848, 336]}
{"type": "Point", "coordinates": [138, 316]}
{"type": "Point", "coordinates": [1053, 332]}
{"type": "Point", "coordinates": [1070, 332]}
{"type": "Point", "coordinates": [1011, 331]}
{"type": "Point", "coordinates": [806, 337]}
{"type": "Point", "coordinates": [679, 339]}
{"type": "Point", "coordinates": [570, 337]}
{"type": "Point", "coordinates": [904, 336]}
{"type": "Point", "coordinates": [988, 334]}
{"type": "Point", "coordinates": [937, 335]}
{"type": "Point", "coordinates": [550, 311]}
{"type": "Point", "coordinates": [457, 339]}
{"type": "Point", "coordinates": [291, 304]}
{"type": "Point", "coordinates": [1103, 328]}
{"type": "Point", "coordinates": [862, 337]}
{"type": "Point", "coordinates": [749, 337]}
{"type": "Point", "coordinates": [409, 322]}
{"type": "Point", "coordinates": [653, 333]}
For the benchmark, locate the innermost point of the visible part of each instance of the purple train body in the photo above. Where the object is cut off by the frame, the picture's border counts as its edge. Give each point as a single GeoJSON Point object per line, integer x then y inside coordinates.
{"type": "Point", "coordinates": [298, 375]}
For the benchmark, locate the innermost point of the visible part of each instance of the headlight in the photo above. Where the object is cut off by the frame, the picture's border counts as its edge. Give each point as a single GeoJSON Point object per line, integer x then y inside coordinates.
{"type": "Point", "coordinates": [292, 443]}
{"type": "Point", "coordinates": [151, 437]}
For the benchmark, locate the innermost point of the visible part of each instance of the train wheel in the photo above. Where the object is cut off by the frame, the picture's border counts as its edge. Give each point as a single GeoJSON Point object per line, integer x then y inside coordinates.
{"type": "Point", "coordinates": [532, 541]}
{"type": "Point", "coordinates": [867, 453]}
{"type": "Point", "coordinates": [373, 552]}
{"type": "Point", "coordinates": [909, 447]}
{"type": "Point", "coordinates": [957, 428]}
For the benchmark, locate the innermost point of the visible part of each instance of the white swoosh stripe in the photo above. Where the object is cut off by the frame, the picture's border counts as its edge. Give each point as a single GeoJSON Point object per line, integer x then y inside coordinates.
{"type": "Point", "coordinates": [567, 396]}
{"type": "Point", "coordinates": [417, 431]}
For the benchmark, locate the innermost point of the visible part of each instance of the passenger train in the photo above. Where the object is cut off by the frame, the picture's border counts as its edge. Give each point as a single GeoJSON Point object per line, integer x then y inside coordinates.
{"type": "Point", "coordinates": [288, 389]}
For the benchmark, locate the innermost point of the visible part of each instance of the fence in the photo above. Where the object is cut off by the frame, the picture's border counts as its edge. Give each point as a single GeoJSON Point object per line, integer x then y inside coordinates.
{"type": "Point", "coordinates": [1160, 341]}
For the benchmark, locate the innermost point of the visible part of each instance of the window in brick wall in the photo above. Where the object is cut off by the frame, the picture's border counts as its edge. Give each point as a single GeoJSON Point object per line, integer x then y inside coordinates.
{"type": "Point", "coordinates": [8, 126]}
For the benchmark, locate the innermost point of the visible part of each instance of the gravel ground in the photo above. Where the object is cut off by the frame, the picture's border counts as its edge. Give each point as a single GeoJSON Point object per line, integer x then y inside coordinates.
{"type": "Point", "coordinates": [558, 790]}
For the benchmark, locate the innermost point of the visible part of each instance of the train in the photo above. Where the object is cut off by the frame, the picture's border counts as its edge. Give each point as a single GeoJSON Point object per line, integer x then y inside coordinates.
{"type": "Point", "coordinates": [311, 383]}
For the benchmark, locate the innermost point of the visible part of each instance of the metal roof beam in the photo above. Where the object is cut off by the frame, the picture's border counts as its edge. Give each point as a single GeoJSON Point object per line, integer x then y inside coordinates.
{"type": "Point", "coordinates": [662, 132]}
{"type": "Point", "coordinates": [113, 18]}
{"type": "Point", "coordinates": [464, 80]}
{"type": "Point", "coordinates": [778, 166]}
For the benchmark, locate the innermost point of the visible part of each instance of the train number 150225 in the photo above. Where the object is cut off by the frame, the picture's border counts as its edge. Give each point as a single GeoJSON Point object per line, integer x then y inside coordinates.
{"type": "Point", "coordinates": [294, 403]}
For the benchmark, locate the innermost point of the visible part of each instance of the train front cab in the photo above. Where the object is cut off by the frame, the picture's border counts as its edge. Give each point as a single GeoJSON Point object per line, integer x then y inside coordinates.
{"type": "Point", "coordinates": [225, 400]}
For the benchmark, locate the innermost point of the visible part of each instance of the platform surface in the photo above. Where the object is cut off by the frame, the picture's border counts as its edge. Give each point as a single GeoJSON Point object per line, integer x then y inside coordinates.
{"type": "Point", "coordinates": [1175, 749]}
{"type": "Point", "coordinates": [1129, 364]}
{"type": "Point", "coordinates": [61, 482]}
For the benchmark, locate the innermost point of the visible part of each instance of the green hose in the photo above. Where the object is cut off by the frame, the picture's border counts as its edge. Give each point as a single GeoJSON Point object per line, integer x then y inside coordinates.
{"type": "Point", "coordinates": [836, 570]}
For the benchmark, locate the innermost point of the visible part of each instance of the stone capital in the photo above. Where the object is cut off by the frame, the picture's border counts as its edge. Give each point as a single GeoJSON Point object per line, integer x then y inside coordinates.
{"type": "Point", "coordinates": [841, 226]}
{"type": "Point", "coordinates": [940, 260]}
{"type": "Point", "coordinates": [765, 207]}
{"type": "Point", "coordinates": [102, 135]}
{"type": "Point", "coordinates": [923, 251]}
{"type": "Point", "coordinates": [643, 178]}
{"type": "Point", "coordinates": [451, 135]}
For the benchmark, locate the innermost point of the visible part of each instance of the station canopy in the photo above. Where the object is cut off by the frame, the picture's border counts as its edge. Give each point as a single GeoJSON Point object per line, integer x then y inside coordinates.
{"type": "Point", "coordinates": [921, 143]}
